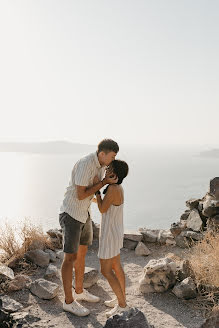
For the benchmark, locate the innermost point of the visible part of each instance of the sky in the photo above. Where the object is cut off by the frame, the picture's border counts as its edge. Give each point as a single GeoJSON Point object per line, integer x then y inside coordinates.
{"type": "Point", "coordinates": [142, 72]}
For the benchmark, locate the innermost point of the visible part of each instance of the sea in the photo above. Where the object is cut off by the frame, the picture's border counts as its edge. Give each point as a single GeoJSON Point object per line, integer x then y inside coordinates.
{"type": "Point", "coordinates": [160, 180]}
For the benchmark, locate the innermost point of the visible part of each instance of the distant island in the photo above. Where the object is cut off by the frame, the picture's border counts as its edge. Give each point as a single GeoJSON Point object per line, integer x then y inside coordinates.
{"type": "Point", "coordinates": [51, 147]}
{"type": "Point", "coordinates": [213, 153]}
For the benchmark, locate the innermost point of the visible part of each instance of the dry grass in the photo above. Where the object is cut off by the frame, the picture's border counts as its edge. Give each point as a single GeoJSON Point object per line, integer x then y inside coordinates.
{"type": "Point", "coordinates": [204, 262]}
{"type": "Point", "coordinates": [16, 242]}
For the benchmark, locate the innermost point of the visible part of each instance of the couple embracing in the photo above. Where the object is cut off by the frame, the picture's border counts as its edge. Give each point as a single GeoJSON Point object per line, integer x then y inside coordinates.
{"type": "Point", "coordinates": [89, 175]}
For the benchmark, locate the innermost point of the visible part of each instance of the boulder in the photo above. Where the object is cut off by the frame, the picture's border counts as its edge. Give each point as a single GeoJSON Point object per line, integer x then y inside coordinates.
{"type": "Point", "coordinates": [133, 235]}
{"type": "Point", "coordinates": [60, 255]}
{"type": "Point", "coordinates": [209, 206]}
{"type": "Point", "coordinates": [52, 255]}
{"type": "Point", "coordinates": [213, 223]}
{"type": "Point", "coordinates": [51, 272]}
{"type": "Point", "coordinates": [158, 276]}
{"type": "Point", "coordinates": [192, 235]}
{"type": "Point", "coordinates": [55, 233]}
{"type": "Point", "coordinates": [213, 320]}
{"type": "Point", "coordinates": [19, 282]}
{"type": "Point", "coordinates": [91, 276]}
{"type": "Point", "coordinates": [10, 305]}
{"type": "Point", "coordinates": [176, 228]}
{"type": "Point", "coordinates": [163, 236]}
{"type": "Point", "coordinates": [193, 203]}
{"type": "Point", "coordinates": [36, 244]}
{"type": "Point", "coordinates": [186, 289]}
{"type": "Point", "coordinates": [44, 289]}
{"type": "Point", "coordinates": [182, 241]}
{"type": "Point", "coordinates": [185, 215]}
{"type": "Point", "coordinates": [194, 221]}
{"type": "Point", "coordinates": [214, 187]}
{"type": "Point", "coordinates": [149, 236]}
{"type": "Point", "coordinates": [6, 273]}
{"type": "Point", "coordinates": [142, 249]}
{"type": "Point", "coordinates": [38, 257]}
{"type": "Point", "coordinates": [129, 244]}
{"type": "Point", "coordinates": [183, 270]}
{"type": "Point", "coordinates": [129, 319]}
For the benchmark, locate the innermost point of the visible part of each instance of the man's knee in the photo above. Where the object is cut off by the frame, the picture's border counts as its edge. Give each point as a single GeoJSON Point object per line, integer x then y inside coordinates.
{"type": "Point", "coordinates": [70, 258]}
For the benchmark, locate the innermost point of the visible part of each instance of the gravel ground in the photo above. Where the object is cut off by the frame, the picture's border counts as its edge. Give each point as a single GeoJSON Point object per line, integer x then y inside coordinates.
{"type": "Point", "coordinates": [161, 310]}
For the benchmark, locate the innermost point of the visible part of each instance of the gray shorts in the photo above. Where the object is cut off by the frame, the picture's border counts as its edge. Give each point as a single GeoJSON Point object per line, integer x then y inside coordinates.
{"type": "Point", "coordinates": [75, 233]}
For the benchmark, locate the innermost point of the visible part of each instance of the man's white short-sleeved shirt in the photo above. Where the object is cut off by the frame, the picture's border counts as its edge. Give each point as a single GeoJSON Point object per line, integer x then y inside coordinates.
{"type": "Point", "coordinates": [83, 174]}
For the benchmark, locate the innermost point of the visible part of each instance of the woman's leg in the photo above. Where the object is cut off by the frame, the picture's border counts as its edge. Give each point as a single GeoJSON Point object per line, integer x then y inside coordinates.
{"type": "Point", "coordinates": [117, 268]}
{"type": "Point", "coordinates": [106, 270]}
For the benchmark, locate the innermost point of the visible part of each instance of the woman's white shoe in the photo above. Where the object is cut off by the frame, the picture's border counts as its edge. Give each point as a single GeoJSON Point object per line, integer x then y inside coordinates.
{"type": "Point", "coordinates": [117, 310]}
{"type": "Point", "coordinates": [76, 308]}
{"type": "Point", "coordinates": [112, 303]}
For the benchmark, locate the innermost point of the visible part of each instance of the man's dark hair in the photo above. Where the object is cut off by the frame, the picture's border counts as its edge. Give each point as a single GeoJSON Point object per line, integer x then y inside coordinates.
{"type": "Point", "coordinates": [108, 145]}
{"type": "Point", "coordinates": [120, 168]}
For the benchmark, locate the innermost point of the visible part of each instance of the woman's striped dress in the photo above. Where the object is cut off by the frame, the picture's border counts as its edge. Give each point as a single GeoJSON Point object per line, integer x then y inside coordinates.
{"type": "Point", "coordinates": [111, 232]}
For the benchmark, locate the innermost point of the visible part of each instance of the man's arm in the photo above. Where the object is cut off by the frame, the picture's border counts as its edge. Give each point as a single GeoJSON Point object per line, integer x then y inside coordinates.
{"type": "Point", "coordinates": [84, 192]}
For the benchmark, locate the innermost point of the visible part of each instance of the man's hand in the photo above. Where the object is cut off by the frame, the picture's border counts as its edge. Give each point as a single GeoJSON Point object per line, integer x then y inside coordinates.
{"type": "Point", "coordinates": [96, 180]}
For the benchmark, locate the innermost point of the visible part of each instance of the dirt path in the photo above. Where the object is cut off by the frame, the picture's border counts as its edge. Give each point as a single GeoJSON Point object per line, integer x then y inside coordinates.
{"type": "Point", "coordinates": [161, 310]}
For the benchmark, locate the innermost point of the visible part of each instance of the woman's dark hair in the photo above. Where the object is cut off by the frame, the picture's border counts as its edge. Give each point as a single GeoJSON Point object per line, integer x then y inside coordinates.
{"type": "Point", "coordinates": [108, 145]}
{"type": "Point", "coordinates": [120, 168]}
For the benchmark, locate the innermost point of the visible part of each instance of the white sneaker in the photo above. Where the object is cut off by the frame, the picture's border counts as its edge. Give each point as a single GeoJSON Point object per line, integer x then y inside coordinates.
{"type": "Point", "coordinates": [112, 303]}
{"type": "Point", "coordinates": [86, 296]}
{"type": "Point", "coordinates": [76, 308]}
{"type": "Point", "coordinates": [117, 310]}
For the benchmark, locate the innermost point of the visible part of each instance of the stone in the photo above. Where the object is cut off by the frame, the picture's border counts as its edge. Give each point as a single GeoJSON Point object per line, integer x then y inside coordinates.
{"type": "Point", "coordinates": [176, 228]}
{"type": "Point", "coordinates": [183, 270]}
{"type": "Point", "coordinates": [133, 235]}
{"type": "Point", "coordinates": [194, 221]}
{"type": "Point", "coordinates": [10, 305]}
{"type": "Point", "coordinates": [186, 289]}
{"type": "Point", "coordinates": [51, 271]}
{"type": "Point", "coordinates": [163, 236]}
{"type": "Point", "coordinates": [24, 318]}
{"type": "Point", "coordinates": [55, 233]}
{"type": "Point", "coordinates": [13, 262]}
{"type": "Point", "coordinates": [170, 242]}
{"type": "Point", "coordinates": [60, 255]}
{"type": "Point", "coordinates": [213, 320]}
{"type": "Point", "coordinates": [36, 244]}
{"type": "Point", "coordinates": [129, 244]}
{"type": "Point", "coordinates": [193, 203]}
{"type": "Point", "coordinates": [6, 273]}
{"type": "Point", "coordinates": [181, 241]}
{"type": "Point", "coordinates": [96, 230]}
{"type": "Point", "coordinates": [158, 276]}
{"type": "Point", "coordinates": [91, 276]}
{"type": "Point", "coordinates": [213, 223]}
{"type": "Point", "coordinates": [149, 236]}
{"type": "Point", "coordinates": [133, 318]}
{"type": "Point", "coordinates": [185, 215]}
{"type": "Point", "coordinates": [38, 257]}
{"type": "Point", "coordinates": [52, 255]}
{"type": "Point", "coordinates": [209, 206]}
{"type": "Point", "coordinates": [44, 289]}
{"type": "Point", "coordinates": [192, 235]}
{"type": "Point", "coordinates": [19, 282]}
{"type": "Point", "coordinates": [142, 250]}
{"type": "Point", "coordinates": [214, 187]}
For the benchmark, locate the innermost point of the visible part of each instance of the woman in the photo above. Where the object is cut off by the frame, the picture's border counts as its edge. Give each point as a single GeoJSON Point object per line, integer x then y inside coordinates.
{"type": "Point", "coordinates": [111, 236]}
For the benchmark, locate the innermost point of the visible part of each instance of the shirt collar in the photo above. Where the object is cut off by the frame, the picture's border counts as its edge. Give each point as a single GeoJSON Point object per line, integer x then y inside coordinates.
{"type": "Point", "coordinates": [96, 161]}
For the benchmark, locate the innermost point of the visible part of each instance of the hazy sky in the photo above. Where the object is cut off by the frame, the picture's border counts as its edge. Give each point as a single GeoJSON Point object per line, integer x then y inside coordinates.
{"type": "Point", "coordinates": [140, 71]}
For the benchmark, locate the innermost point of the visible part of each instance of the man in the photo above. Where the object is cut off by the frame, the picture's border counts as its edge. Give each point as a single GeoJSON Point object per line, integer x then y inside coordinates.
{"type": "Point", "coordinates": [76, 222]}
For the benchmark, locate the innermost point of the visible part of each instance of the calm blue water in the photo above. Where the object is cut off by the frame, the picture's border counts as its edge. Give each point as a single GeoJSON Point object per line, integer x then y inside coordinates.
{"type": "Point", "coordinates": [159, 183]}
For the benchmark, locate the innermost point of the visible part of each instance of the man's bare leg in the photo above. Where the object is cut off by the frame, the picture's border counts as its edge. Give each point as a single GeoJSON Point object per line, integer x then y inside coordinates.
{"type": "Point", "coordinates": [67, 270]}
{"type": "Point", "coordinates": [79, 266]}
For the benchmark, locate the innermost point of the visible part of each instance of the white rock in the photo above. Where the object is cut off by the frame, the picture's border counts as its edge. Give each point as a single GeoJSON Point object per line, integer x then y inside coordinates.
{"type": "Point", "coordinates": [142, 249]}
